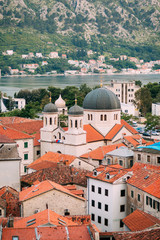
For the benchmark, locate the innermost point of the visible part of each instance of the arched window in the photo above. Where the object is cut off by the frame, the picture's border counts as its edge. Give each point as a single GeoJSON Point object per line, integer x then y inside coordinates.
{"type": "Point", "coordinates": [71, 124]}
{"type": "Point", "coordinates": [105, 117]}
{"type": "Point", "coordinates": [101, 117]}
{"type": "Point", "coordinates": [46, 120]}
{"type": "Point", "coordinates": [91, 117]}
{"type": "Point", "coordinates": [88, 117]}
{"type": "Point", "coordinates": [59, 135]}
{"type": "Point", "coordinates": [63, 111]}
{"type": "Point", "coordinates": [76, 124]}
{"type": "Point", "coordinates": [50, 121]}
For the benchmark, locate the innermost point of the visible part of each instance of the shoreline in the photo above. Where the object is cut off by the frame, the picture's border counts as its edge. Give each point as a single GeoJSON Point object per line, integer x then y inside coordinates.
{"type": "Point", "coordinates": [81, 74]}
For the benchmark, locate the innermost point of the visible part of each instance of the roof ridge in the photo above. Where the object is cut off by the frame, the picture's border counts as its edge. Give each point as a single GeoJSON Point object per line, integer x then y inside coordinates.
{"type": "Point", "coordinates": [95, 129]}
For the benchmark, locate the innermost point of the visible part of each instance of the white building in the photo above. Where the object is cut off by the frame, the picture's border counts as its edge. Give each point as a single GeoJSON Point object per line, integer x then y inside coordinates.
{"type": "Point", "coordinates": [156, 109]}
{"type": "Point", "coordinates": [129, 109]}
{"type": "Point", "coordinates": [53, 55]}
{"type": "Point", "coordinates": [107, 197]}
{"type": "Point", "coordinates": [16, 103]}
{"type": "Point", "coordinates": [88, 127]}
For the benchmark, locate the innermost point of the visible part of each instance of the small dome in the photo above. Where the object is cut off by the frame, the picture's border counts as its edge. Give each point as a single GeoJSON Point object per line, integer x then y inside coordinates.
{"type": "Point", "coordinates": [75, 110]}
{"type": "Point", "coordinates": [101, 99]}
{"type": "Point", "coordinates": [60, 103]}
{"type": "Point", "coordinates": [50, 107]}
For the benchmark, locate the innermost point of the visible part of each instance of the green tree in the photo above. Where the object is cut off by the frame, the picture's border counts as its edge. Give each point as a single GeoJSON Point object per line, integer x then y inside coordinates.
{"type": "Point", "coordinates": [143, 100]}
{"type": "Point", "coordinates": [152, 121]}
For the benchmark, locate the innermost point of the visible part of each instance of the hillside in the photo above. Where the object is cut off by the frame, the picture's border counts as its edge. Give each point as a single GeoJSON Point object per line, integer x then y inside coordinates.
{"type": "Point", "coordinates": [114, 27]}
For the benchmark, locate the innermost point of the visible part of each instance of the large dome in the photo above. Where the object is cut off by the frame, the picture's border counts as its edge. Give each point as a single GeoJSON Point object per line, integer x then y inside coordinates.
{"type": "Point", "coordinates": [101, 99]}
{"type": "Point", "coordinates": [50, 107]}
{"type": "Point", "coordinates": [60, 103]}
{"type": "Point", "coordinates": [75, 110]}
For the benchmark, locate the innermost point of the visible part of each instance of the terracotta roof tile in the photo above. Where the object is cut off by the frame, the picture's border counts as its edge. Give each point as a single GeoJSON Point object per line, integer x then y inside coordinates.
{"type": "Point", "coordinates": [41, 218]}
{"type": "Point", "coordinates": [129, 127]}
{"type": "Point", "coordinates": [5, 139]}
{"type": "Point", "coordinates": [147, 180]}
{"type": "Point", "coordinates": [100, 152]}
{"type": "Point", "coordinates": [13, 134]}
{"type": "Point", "coordinates": [60, 173]}
{"type": "Point", "coordinates": [77, 232]}
{"type": "Point", "coordinates": [115, 172]}
{"type": "Point", "coordinates": [43, 187]}
{"type": "Point", "coordinates": [139, 235]}
{"type": "Point", "coordinates": [11, 120]}
{"type": "Point", "coordinates": [111, 134]}
{"type": "Point", "coordinates": [92, 134]}
{"type": "Point", "coordinates": [139, 220]}
{"type": "Point", "coordinates": [54, 158]}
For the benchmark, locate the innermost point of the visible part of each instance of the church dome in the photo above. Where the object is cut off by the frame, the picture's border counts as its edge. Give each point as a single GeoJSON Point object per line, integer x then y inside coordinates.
{"type": "Point", "coordinates": [50, 107]}
{"type": "Point", "coordinates": [60, 103]}
{"type": "Point", "coordinates": [101, 99]}
{"type": "Point", "coordinates": [75, 110]}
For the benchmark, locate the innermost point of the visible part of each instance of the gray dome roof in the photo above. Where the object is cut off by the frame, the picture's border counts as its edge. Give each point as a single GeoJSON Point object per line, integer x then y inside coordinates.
{"type": "Point", "coordinates": [75, 110]}
{"type": "Point", "coordinates": [50, 107]}
{"type": "Point", "coordinates": [101, 99]}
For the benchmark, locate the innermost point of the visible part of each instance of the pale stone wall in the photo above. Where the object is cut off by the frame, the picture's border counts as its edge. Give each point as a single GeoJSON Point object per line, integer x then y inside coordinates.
{"type": "Point", "coordinates": [79, 163]}
{"type": "Point", "coordinates": [57, 201]}
{"type": "Point", "coordinates": [35, 155]}
{"type": "Point", "coordinates": [133, 202]}
{"type": "Point", "coordinates": [153, 158]}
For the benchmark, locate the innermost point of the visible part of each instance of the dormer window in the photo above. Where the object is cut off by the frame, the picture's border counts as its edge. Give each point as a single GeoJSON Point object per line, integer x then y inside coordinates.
{"type": "Point", "coordinates": [107, 176]}
{"type": "Point", "coordinates": [95, 173]}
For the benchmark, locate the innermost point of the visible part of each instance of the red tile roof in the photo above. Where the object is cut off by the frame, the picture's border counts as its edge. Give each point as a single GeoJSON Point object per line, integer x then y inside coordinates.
{"type": "Point", "coordinates": [115, 172]}
{"type": "Point", "coordinates": [5, 139]}
{"type": "Point", "coordinates": [27, 127]}
{"type": "Point", "coordinates": [148, 180]}
{"type": "Point", "coordinates": [92, 134]}
{"type": "Point", "coordinates": [53, 157]}
{"type": "Point", "coordinates": [113, 132]}
{"type": "Point", "coordinates": [60, 173]}
{"type": "Point", "coordinates": [10, 196]}
{"type": "Point", "coordinates": [45, 217]}
{"type": "Point", "coordinates": [129, 127]}
{"type": "Point", "coordinates": [13, 134]}
{"type": "Point", "coordinates": [77, 232]}
{"type": "Point", "coordinates": [11, 120]}
{"type": "Point", "coordinates": [139, 220]}
{"type": "Point", "coordinates": [43, 187]}
{"type": "Point", "coordinates": [135, 140]}
{"type": "Point", "coordinates": [100, 152]}
{"type": "Point", "coordinates": [149, 234]}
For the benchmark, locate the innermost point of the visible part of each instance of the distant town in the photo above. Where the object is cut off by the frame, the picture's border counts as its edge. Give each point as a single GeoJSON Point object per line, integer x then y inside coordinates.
{"type": "Point", "coordinates": [37, 65]}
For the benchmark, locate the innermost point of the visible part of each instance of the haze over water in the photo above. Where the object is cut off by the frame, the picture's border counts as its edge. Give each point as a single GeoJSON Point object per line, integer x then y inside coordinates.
{"type": "Point", "coordinates": [10, 85]}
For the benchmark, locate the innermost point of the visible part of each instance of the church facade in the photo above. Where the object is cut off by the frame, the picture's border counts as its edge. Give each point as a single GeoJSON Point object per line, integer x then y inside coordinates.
{"type": "Point", "coordinates": [98, 123]}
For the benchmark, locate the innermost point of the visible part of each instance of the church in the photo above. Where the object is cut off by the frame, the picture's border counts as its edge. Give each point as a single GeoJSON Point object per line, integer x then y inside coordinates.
{"type": "Point", "coordinates": [97, 124]}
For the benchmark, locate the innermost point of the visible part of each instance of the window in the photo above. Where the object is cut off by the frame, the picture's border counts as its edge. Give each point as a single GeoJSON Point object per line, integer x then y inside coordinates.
{"type": "Point", "coordinates": [91, 117]}
{"type": "Point", "coordinates": [93, 203]}
{"type": "Point", "coordinates": [71, 124]}
{"type": "Point", "coordinates": [106, 222]}
{"type": "Point", "coordinates": [154, 204]}
{"type": "Point", "coordinates": [105, 117]}
{"type": "Point", "coordinates": [158, 159]}
{"type": "Point", "coordinates": [25, 144]}
{"type": "Point", "coordinates": [101, 118]}
{"type": "Point", "coordinates": [106, 192]}
{"type": "Point", "coordinates": [121, 223]}
{"type": "Point", "coordinates": [121, 162]}
{"type": "Point", "coordinates": [147, 200]}
{"type": "Point", "coordinates": [148, 158]}
{"type": "Point", "coordinates": [150, 202]}
{"type": "Point", "coordinates": [15, 238]}
{"type": "Point", "coordinates": [38, 152]}
{"type": "Point", "coordinates": [99, 205]}
{"type": "Point", "coordinates": [50, 121]}
{"type": "Point", "coordinates": [79, 163]}
{"type": "Point", "coordinates": [26, 156]}
{"type": "Point", "coordinates": [0, 212]}
{"type": "Point", "coordinates": [93, 217]}
{"type": "Point", "coordinates": [122, 208]}
{"type": "Point", "coordinates": [93, 188]}
{"type": "Point", "coordinates": [106, 207]}
{"type": "Point", "coordinates": [132, 194]}
{"type": "Point", "coordinates": [99, 190]}
{"type": "Point", "coordinates": [131, 209]}
{"type": "Point", "coordinates": [109, 161]}
{"type": "Point", "coordinates": [139, 197]}
{"type": "Point", "coordinates": [123, 193]}
{"type": "Point", "coordinates": [76, 124]}
{"type": "Point", "coordinates": [139, 157]}
{"type": "Point", "coordinates": [59, 135]}
{"type": "Point", "coordinates": [99, 219]}
{"type": "Point", "coordinates": [88, 117]}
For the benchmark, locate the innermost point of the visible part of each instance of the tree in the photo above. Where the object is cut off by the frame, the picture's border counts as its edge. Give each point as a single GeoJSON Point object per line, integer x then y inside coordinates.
{"type": "Point", "coordinates": [143, 100]}
{"type": "Point", "coordinates": [152, 121]}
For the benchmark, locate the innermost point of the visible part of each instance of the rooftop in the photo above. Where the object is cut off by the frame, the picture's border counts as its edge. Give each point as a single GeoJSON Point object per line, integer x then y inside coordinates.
{"type": "Point", "coordinates": [139, 220]}
{"type": "Point", "coordinates": [121, 152]}
{"type": "Point", "coordinates": [13, 134]}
